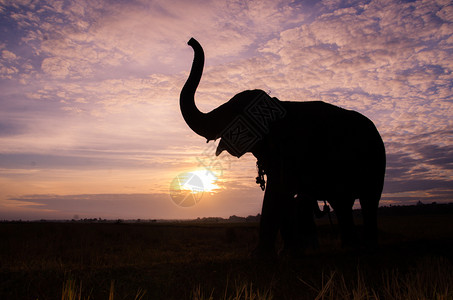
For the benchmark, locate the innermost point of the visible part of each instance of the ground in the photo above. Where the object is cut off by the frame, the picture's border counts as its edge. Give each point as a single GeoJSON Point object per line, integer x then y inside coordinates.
{"type": "Point", "coordinates": [199, 260]}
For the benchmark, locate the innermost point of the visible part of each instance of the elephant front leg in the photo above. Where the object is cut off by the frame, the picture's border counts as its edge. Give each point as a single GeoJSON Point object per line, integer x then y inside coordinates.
{"type": "Point", "coordinates": [270, 222]}
{"type": "Point", "coordinates": [298, 229]}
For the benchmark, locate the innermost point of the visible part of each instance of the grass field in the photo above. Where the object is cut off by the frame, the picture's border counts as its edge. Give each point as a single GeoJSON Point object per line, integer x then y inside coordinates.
{"type": "Point", "coordinates": [211, 261]}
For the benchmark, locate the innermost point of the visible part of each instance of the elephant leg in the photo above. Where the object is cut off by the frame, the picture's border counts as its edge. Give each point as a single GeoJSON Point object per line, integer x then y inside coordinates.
{"type": "Point", "coordinates": [298, 228]}
{"type": "Point", "coordinates": [306, 229]}
{"type": "Point", "coordinates": [369, 205]}
{"type": "Point", "coordinates": [343, 211]}
{"type": "Point", "coordinates": [288, 228]}
{"type": "Point", "coordinates": [271, 218]}
{"type": "Point", "coordinates": [313, 230]}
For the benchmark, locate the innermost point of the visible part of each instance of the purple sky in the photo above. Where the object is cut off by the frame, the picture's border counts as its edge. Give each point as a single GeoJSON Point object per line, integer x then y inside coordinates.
{"type": "Point", "coordinates": [90, 123]}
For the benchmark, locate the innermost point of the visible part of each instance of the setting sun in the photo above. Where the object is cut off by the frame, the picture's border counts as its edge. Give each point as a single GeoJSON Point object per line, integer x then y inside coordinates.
{"type": "Point", "coordinates": [208, 179]}
{"type": "Point", "coordinates": [188, 188]}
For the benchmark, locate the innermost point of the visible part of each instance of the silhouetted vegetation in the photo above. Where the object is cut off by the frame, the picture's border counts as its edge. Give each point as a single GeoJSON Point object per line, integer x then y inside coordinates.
{"type": "Point", "coordinates": [419, 209]}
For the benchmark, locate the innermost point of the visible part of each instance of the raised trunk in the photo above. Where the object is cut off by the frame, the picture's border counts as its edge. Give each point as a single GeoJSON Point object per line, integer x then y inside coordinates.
{"type": "Point", "coordinates": [201, 123]}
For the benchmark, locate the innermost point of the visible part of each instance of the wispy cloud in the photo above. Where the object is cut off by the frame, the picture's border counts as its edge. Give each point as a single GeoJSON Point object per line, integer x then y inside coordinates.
{"type": "Point", "coordinates": [90, 86]}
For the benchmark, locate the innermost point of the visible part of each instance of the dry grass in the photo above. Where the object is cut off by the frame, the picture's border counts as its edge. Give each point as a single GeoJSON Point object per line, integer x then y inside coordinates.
{"type": "Point", "coordinates": [430, 279]}
{"type": "Point", "coordinates": [242, 291]}
{"type": "Point", "coordinates": [71, 291]}
{"type": "Point", "coordinates": [210, 261]}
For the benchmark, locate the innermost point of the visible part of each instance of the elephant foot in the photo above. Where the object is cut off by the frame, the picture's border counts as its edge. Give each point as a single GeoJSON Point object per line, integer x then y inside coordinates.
{"type": "Point", "coordinates": [299, 251]}
{"type": "Point", "coordinates": [352, 245]}
{"type": "Point", "coordinates": [292, 253]}
{"type": "Point", "coordinates": [265, 253]}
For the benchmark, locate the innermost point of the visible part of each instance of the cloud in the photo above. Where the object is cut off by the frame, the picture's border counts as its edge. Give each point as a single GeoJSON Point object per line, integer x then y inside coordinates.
{"type": "Point", "coordinates": [8, 55]}
{"type": "Point", "coordinates": [11, 128]}
{"type": "Point", "coordinates": [98, 82]}
{"type": "Point", "coordinates": [133, 206]}
{"type": "Point", "coordinates": [91, 37]}
{"type": "Point", "coordinates": [368, 58]}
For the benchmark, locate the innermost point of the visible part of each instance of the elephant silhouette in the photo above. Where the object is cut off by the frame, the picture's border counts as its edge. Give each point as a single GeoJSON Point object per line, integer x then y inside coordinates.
{"type": "Point", "coordinates": [313, 148]}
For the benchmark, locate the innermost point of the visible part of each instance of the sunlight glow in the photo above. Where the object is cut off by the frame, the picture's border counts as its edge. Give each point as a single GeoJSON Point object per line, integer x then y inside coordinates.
{"type": "Point", "coordinates": [208, 179]}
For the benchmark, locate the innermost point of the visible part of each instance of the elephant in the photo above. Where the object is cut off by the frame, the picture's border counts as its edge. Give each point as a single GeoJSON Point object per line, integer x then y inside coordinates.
{"type": "Point", "coordinates": [304, 150]}
{"type": "Point", "coordinates": [298, 229]}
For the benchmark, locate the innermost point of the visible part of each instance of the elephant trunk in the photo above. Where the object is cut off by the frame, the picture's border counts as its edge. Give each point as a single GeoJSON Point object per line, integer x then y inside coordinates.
{"type": "Point", "coordinates": [201, 123]}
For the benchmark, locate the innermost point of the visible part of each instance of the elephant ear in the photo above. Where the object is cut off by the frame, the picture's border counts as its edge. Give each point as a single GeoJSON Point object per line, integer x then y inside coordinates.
{"type": "Point", "coordinates": [252, 125]}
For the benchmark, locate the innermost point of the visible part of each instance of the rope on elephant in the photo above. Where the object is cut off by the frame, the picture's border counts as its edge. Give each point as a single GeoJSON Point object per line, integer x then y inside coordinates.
{"type": "Point", "coordinates": [260, 179]}
{"type": "Point", "coordinates": [326, 208]}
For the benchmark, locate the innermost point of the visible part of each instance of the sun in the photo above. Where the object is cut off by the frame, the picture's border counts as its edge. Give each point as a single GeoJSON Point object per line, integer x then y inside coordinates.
{"type": "Point", "coordinates": [188, 188]}
{"type": "Point", "coordinates": [208, 180]}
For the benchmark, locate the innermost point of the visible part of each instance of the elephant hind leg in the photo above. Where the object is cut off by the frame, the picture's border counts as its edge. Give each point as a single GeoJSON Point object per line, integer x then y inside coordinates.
{"type": "Point", "coordinates": [343, 211]}
{"type": "Point", "coordinates": [369, 205]}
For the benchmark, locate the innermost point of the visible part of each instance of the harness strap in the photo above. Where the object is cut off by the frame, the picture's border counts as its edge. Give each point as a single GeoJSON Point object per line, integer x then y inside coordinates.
{"type": "Point", "coordinates": [327, 208]}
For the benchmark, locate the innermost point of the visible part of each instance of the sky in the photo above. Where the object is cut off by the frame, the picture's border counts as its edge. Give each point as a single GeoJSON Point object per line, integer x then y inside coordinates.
{"type": "Point", "coordinates": [90, 125]}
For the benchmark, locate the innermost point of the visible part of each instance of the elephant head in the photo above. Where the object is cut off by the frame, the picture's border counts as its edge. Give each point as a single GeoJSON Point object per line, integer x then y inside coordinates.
{"type": "Point", "coordinates": [241, 122]}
